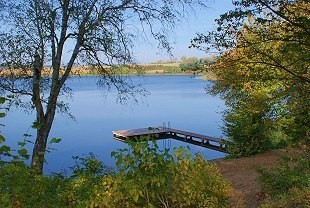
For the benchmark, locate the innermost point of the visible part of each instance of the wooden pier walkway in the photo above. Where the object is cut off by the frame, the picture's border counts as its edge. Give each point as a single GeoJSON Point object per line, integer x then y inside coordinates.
{"type": "Point", "coordinates": [165, 133]}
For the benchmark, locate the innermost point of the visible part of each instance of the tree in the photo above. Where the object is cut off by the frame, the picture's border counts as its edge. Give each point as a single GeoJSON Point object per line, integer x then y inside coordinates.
{"type": "Point", "coordinates": [289, 20]}
{"type": "Point", "coordinates": [35, 34]}
{"type": "Point", "coordinates": [195, 64]}
{"type": "Point", "coordinates": [263, 73]}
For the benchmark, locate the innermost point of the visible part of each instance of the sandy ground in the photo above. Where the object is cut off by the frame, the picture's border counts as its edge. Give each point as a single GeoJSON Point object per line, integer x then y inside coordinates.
{"type": "Point", "coordinates": [242, 175]}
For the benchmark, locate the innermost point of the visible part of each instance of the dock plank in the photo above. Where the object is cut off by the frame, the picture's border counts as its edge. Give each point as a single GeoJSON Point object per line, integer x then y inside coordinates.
{"type": "Point", "coordinates": [164, 133]}
{"type": "Point", "coordinates": [140, 132]}
{"type": "Point", "coordinates": [199, 136]}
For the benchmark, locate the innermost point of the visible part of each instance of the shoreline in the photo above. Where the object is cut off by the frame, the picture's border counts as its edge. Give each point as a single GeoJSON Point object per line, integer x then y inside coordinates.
{"type": "Point", "coordinates": [90, 71]}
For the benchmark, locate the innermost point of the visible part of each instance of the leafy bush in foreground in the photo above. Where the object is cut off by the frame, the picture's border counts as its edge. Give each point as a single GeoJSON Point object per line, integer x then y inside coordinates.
{"type": "Point", "coordinates": [146, 177]}
{"type": "Point", "coordinates": [20, 188]}
{"type": "Point", "coordinates": [151, 178]}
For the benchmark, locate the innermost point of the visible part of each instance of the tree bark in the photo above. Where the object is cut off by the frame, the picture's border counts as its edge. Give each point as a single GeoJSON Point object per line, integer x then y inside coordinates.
{"type": "Point", "coordinates": [43, 130]}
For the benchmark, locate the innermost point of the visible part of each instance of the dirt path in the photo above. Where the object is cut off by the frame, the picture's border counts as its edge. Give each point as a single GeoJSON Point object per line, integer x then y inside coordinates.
{"type": "Point", "coordinates": [242, 174]}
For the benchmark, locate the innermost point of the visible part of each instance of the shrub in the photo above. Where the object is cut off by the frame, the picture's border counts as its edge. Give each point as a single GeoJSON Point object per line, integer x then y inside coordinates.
{"type": "Point", "coordinates": [288, 184]}
{"type": "Point", "coordinates": [248, 133]}
{"type": "Point", "coordinates": [151, 178]}
{"type": "Point", "coordinates": [146, 177]}
{"type": "Point", "coordinates": [20, 188]}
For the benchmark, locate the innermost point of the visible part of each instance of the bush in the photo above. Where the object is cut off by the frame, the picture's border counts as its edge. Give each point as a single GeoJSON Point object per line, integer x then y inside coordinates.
{"type": "Point", "coordinates": [288, 184]}
{"type": "Point", "coordinates": [151, 178]}
{"type": "Point", "coordinates": [249, 134]}
{"type": "Point", "coordinates": [20, 188]}
{"type": "Point", "coordinates": [146, 177]}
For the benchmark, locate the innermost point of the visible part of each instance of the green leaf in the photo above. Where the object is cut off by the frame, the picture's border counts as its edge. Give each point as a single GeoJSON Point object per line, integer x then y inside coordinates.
{"type": "Point", "coordinates": [134, 194]}
{"type": "Point", "coordinates": [36, 125]}
{"type": "Point", "coordinates": [22, 143]}
{"type": "Point", "coordinates": [5, 148]}
{"type": "Point", "coordinates": [119, 161]}
{"type": "Point", "coordinates": [113, 154]}
{"type": "Point", "coordinates": [55, 140]}
{"type": "Point", "coordinates": [6, 198]}
{"type": "Point", "coordinates": [23, 153]}
{"type": "Point", "coordinates": [2, 139]}
{"type": "Point", "coordinates": [2, 115]}
{"type": "Point", "coordinates": [2, 100]}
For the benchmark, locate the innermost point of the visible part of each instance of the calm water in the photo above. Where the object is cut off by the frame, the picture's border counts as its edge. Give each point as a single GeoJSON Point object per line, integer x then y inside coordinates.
{"type": "Point", "coordinates": [181, 100]}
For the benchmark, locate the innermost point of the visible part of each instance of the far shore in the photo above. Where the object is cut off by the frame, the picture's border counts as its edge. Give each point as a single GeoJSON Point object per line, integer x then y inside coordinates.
{"type": "Point", "coordinates": [134, 70]}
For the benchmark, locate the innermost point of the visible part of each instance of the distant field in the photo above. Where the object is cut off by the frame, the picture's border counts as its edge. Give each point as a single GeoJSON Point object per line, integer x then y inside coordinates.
{"type": "Point", "coordinates": [168, 68]}
{"type": "Point", "coordinates": [164, 64]}
{"type": "Point", "coordinates": [162, 68]}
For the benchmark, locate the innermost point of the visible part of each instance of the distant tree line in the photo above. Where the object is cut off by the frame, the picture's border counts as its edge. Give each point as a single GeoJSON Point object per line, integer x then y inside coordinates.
{"type": "Point", "coordinates": [195, 64]}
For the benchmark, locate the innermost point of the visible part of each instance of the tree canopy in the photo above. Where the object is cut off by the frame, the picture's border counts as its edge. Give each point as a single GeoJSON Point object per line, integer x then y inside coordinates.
{"type": "Point", "coordinates": [263, 72]}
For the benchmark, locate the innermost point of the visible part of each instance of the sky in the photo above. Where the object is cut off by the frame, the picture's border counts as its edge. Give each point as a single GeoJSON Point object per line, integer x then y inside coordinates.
{"type": "Point", "coordinates": [198, 21]}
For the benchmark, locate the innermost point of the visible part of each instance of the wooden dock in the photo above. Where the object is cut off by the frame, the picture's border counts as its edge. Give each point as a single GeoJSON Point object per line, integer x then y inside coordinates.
{"type": "Point", "coordinates": [165, 133]}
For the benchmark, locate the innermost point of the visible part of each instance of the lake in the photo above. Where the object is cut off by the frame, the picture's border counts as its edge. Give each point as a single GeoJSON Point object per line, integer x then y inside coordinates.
{"type": "Point", "coordinates": [180, 100]}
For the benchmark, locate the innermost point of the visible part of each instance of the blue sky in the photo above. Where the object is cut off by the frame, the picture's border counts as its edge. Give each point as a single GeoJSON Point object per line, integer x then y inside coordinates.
{"type": "Point", "coordinates": [200, 20]}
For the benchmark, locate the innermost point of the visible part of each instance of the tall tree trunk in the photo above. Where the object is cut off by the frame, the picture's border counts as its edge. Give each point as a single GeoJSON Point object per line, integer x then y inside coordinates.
{"type": "Point", "coordinates": [43, 130]}
{"type": "Point", "coordinates": [44, 120]}
{"type": "Point", "coordinates": [38, 154]}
